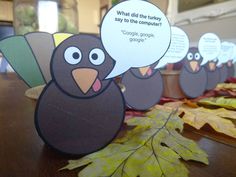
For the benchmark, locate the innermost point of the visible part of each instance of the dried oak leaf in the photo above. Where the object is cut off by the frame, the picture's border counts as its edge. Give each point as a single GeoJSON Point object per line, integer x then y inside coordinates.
{"type": "Point", "coordinates": [229, 103]}
{"type": "Point", "coordinates": [228, 86]}
{"type": "Point", "coordinates": [152, 148]}
{"type": "Point", "coordinates": [221, 120]}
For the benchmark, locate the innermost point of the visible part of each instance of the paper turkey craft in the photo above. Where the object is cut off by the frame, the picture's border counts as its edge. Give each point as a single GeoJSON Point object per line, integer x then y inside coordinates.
{"type": "Point", "coordinates": [73, 114]}
{"type": "Point", "coordinates": [143, 87]}
{"type": "Point", "coordinates": [230, 68]}
{"type": "Point", "coordinates": [30, 55]}
{"type": "Point", "coordinates": [193, 78]}
{"type": "Point", "coordinates": [213, 74]}
{"type": "Point", "coordinates": [223, 68]}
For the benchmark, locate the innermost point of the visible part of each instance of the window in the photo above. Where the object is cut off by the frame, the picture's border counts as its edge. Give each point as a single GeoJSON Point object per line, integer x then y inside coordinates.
{"type": "Point", "coordinates": [181, 12]}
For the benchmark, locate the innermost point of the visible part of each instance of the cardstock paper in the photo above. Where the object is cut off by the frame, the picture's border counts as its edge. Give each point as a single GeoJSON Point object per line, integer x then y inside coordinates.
{"type": "Point", "coordinates": [231, 71]}
{"type": "Point", "coordinates": [60, 37]}
{"type": "Point", "coordinates": [135, 34]}
{"type": "Point", "coordinates": [193, 78]}
{"type": "Point", "coordinates": [209, 47]}
{"type": "Point", "coordinates": [19, 55]}
{"type": "Point", "coordinates": [223, 73]}
{"type": "Point", "coordinates": [74, 116]}
{"type": "Point", "coordinates": [178, 47]}
{"type": "Point", "coordinates": [142, 90]}
{"type": "Point", "coordinates": [42, 45]}
{"type": "Point", "coordinates": [213, 75]}
{"type": "Point", "coordinates": [226, 53]}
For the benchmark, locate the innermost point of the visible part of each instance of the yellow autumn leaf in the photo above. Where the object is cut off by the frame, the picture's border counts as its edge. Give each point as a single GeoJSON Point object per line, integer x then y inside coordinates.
{"type": "Point", "coordinates": [229, 103]}
{"type": "Point", "coordinates": [152, 148]}
{"type": "Point", "coordinates": [221, 120]}
{"type": "Point", "coordinates": [230, 86]}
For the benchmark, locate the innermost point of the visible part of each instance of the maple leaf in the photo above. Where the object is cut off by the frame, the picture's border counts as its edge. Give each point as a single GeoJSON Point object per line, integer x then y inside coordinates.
{"type": "Point", "coordinates": [221, 120]}
{"type": "Point", "coordinates": [152, 148]}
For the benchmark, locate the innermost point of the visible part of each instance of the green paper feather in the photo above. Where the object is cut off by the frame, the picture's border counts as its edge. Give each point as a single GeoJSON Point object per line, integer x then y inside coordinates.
{"type": "Point", "coordinates": [19, 55]}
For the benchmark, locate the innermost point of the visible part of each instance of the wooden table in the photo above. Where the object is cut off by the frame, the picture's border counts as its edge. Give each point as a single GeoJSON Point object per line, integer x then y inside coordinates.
{"type": "Point", "coordinates": [23, 154]}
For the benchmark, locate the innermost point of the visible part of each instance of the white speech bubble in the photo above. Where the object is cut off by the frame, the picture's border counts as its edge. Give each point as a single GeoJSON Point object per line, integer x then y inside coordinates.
{"type": "Point", "coordinates": [225, 53]}
{"type": "Point", "coordinates": [178, 49]}
{"type": "Point", "coordinates": [135, 33]}
{"type": "Point", "coordinates": [209, 47]}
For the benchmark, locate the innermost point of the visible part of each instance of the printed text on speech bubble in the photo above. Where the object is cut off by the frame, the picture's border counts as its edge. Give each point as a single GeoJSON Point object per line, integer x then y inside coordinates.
{"type": "Point", "coordinates": [139, 19]}
{"type": "Point", "coordinates": [135, 34]}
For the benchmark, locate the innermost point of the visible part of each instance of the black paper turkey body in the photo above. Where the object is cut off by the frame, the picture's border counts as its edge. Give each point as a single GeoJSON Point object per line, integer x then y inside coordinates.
{"type": "Point", "coordinates": [143, 87]}
{"type": "Point", "coordinates": [193, 79]}
{"type": "Point", "coordinates": [213, 74]}
{"type": "Point", "coordinates": [230, 68]}
{"type": "Point", "coordinates": [223, 68]}
{"type": "Point", "coordinates": [80, 112]}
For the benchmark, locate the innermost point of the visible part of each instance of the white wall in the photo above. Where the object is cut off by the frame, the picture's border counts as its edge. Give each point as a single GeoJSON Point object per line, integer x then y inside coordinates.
{"type": "Point", "coordinates": [88, 11]}
{"type": "Point", "coordinates": [225, 28]}
{"type": "Point", "coordinates": [6, 13]}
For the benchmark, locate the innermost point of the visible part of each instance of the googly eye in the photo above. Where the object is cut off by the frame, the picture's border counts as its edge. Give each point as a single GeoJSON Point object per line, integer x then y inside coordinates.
{"type": "Point", "coordinates": [190, 56]}
{"type": "Point", "coordinates": [197, 56]}
{"type": "Point", "coordinates": [96, 56]}
{"type": "Point", "coordinates": [72, 55]}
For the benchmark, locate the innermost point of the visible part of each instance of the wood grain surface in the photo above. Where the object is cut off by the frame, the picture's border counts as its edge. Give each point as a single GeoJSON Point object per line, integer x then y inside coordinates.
{"type": "Point", "coordinates": [23, 154]}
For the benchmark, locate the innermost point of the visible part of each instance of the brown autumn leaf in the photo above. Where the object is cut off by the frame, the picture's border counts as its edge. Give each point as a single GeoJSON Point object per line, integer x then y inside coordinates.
{"type": "Point", "coordinates": [221, 120]}
{"type": "Point", "coordinates": [228, 86]}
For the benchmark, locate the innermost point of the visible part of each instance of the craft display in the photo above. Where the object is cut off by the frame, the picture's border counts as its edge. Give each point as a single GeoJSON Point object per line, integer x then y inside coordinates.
{"type": "Point", "coordinates": [231, 61]}
{"type": "Point", "coordinates": [209, 47]}
{"type": "Point", "coordinates": [153, 148]}
{"type": "Point", "coordinates": [143, 87]}
{"type": "Point", "coordinates": [224, 56]}
{"type": "Point", "coordinates": [177, 51]}
{"type": "Point", "coordinates": [193, 78]}
{"type": "Point", "coordinates": [42, 45]}
{"type": "Point", "coordinates": [81, 72]}
{"type": "Point", "coordinates": [230, 68]}
{"type": "Point", "coordinates": [20, 56]}
{"type": "Point", "coordinates": [81, 108]}
{"type": "Point", "coordinates": [79, 92]}
{"type": "Point", "coordinates": [213, 74]}
{"type": "Point", "coordinates": [88, 88]}
{"type": "Point", "coordinates": [223, 73]}
{"type": "Point", "coordinates": [78, 68]}
{"type": "Point", "coordinates": [30, 55]}
{"type": "Point", "coordinates": [136, 35]}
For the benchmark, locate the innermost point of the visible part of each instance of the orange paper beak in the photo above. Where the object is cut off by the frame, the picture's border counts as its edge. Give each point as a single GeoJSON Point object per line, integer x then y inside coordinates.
{"type": "Point", "coordinates": [144, 70]}
{"type": "Point", "coordinates": [84, 78]}
{"type": "Point", "coordinates": [194, 65]}
{"type": "Point", "coordinates": [212, 66]}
